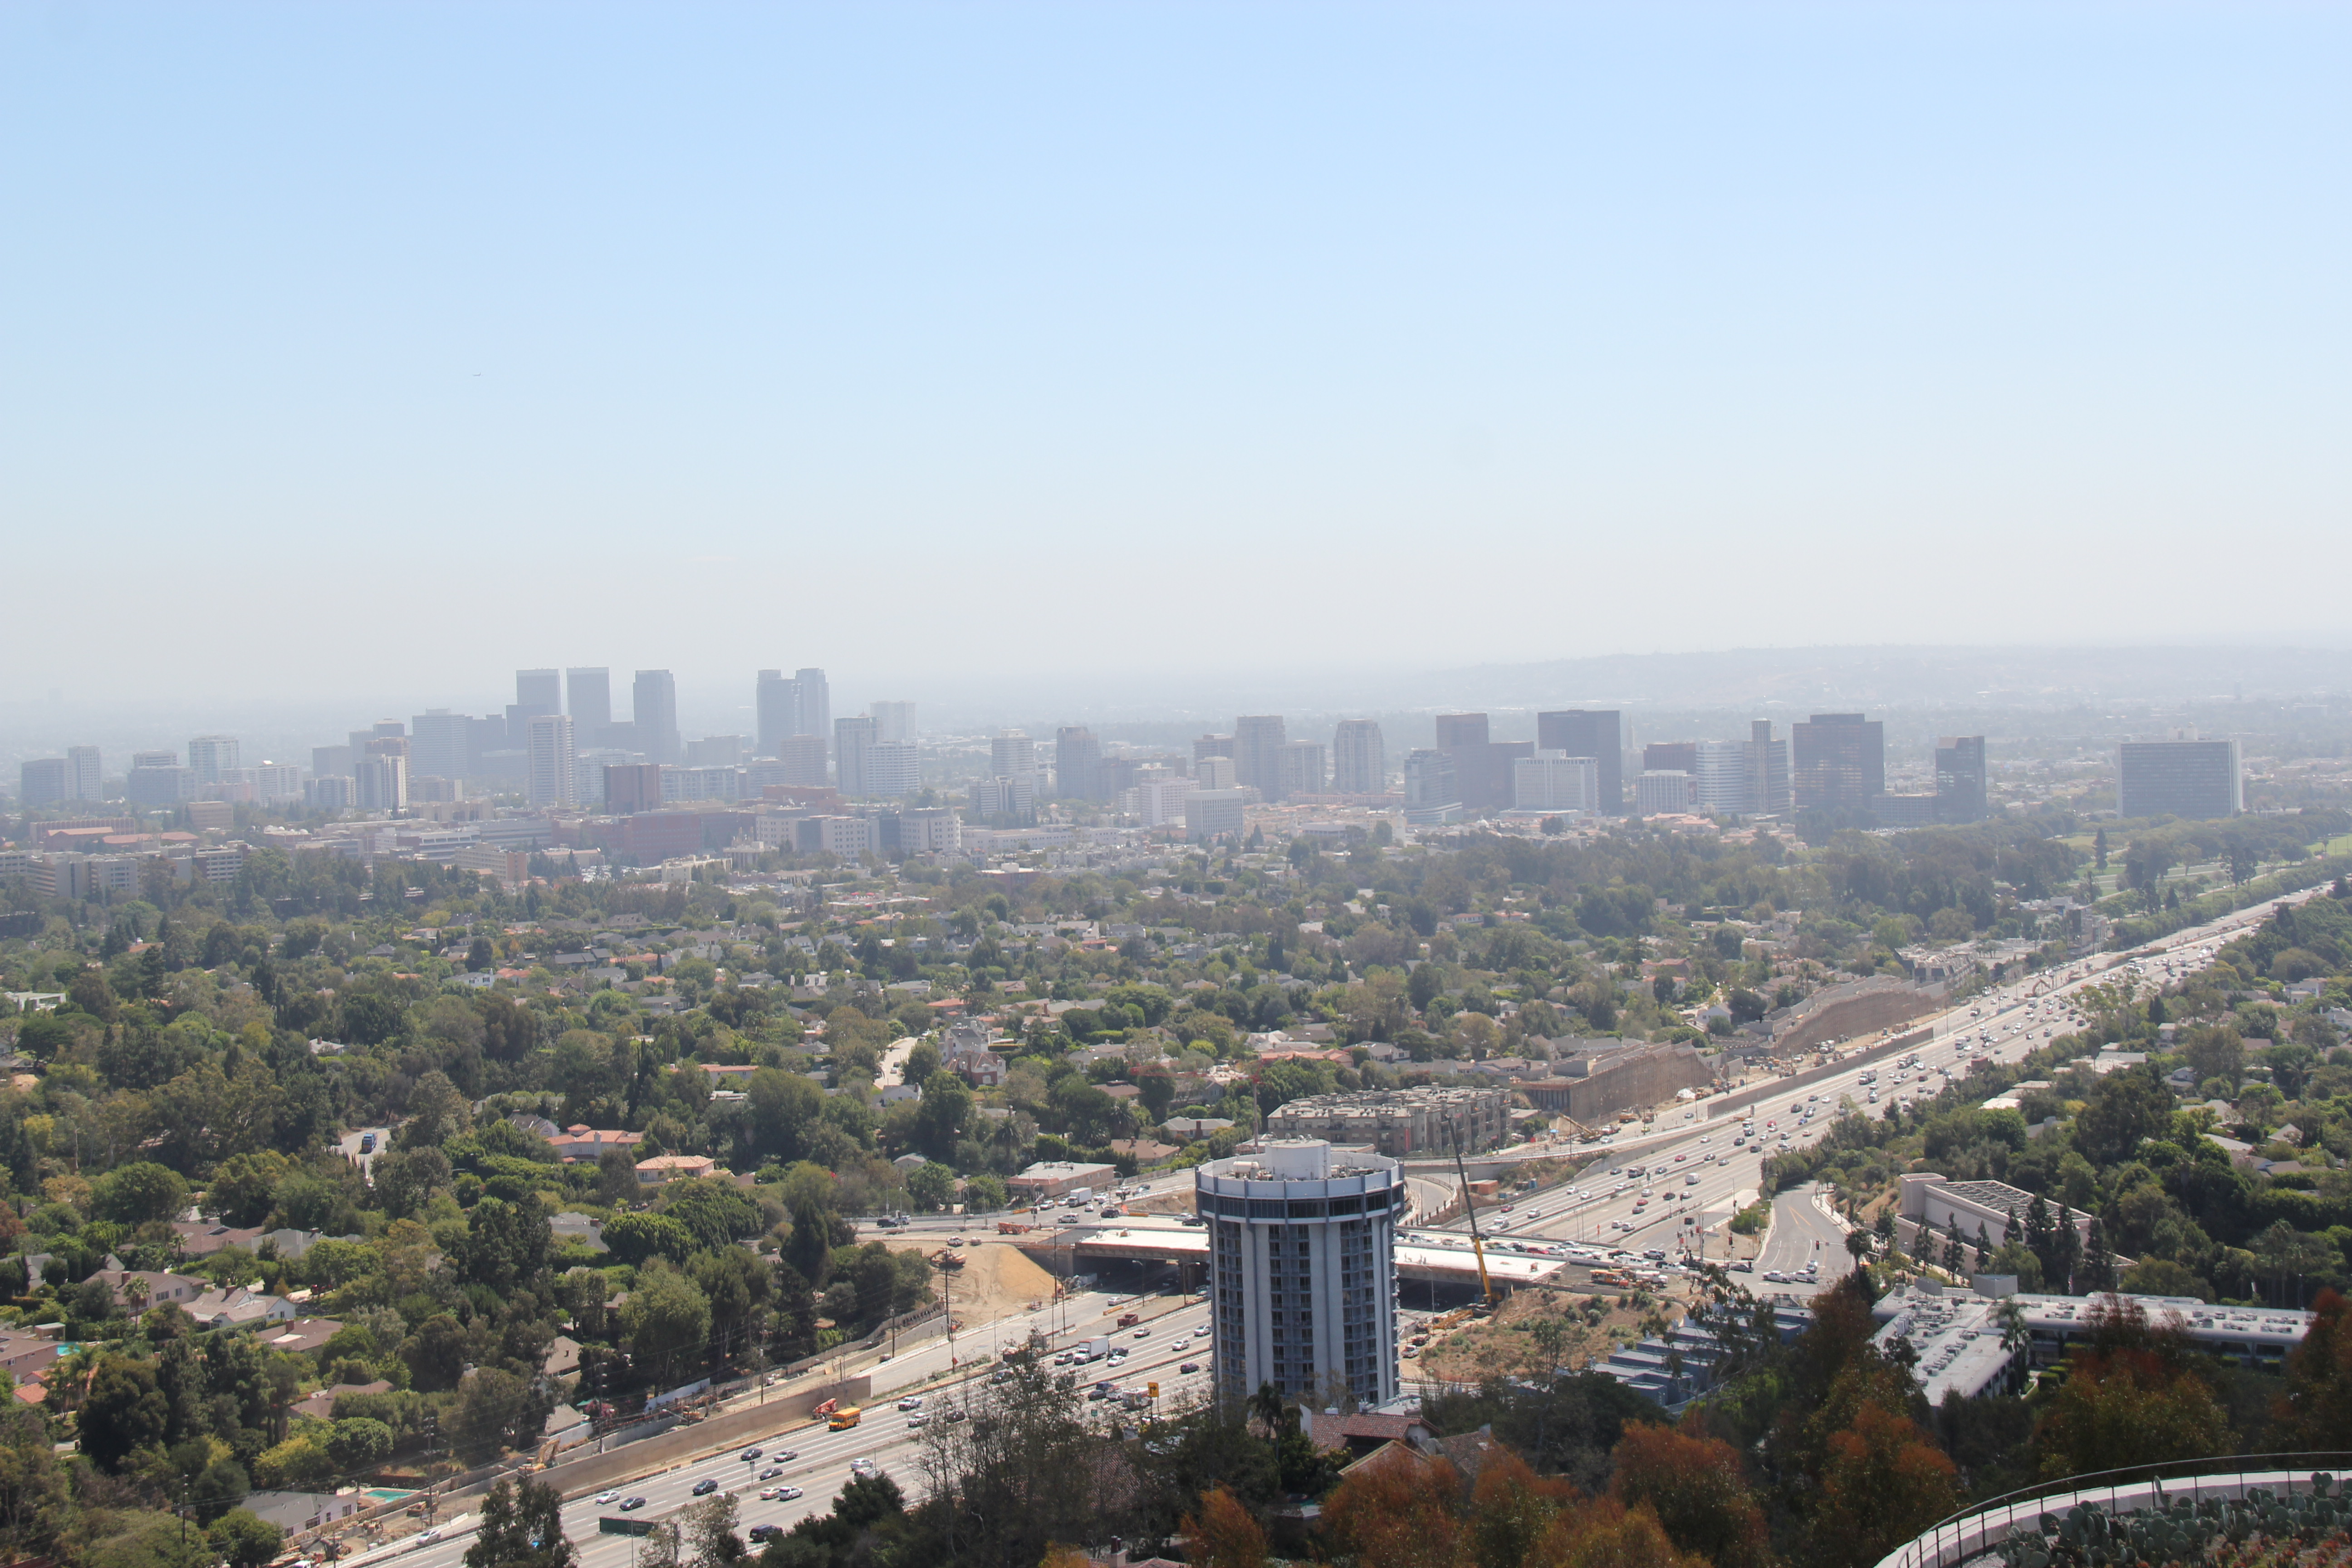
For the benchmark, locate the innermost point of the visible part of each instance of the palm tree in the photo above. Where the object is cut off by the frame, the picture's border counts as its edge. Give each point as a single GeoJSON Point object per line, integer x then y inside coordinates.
{"type": "Point", "coordinates": [1267, 1405]}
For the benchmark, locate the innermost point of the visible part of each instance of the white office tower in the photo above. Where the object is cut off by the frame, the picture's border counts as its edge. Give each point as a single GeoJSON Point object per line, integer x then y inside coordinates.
{"type": "Point", "coordinates": [1360, 763]}
{"type": "Point", "coordinates": [1554, 781]}
{"type": "Point", "coordinates": [896, 719]}
{"type": "Point", "coordinates": [1215, 773]}
{"type": "Point", "coordinates": [212, 757]}
{"type": "Point", "coordinates": [1011, 752]}
{"type": "Point", "coordinates": [1156, 803]}
{"type": "Point", "coordinates": [1723, 778]}
{"type": "Point", "coordinates": [1302, 1271]}
{"type": "Point", "coordinates": [85, 777]}
{"type": "Point", "coordinates": [381, 782]}
{"type": "Point", "coordinates": [853, 755]}
{"type": "Point", "coordinates": [553, 759]}
{"type": "Point", "coordinates": [815, 702]}
{"type": "Point", "coordinates": [277, 783]}
{"type": "Point", "coordinates": [895, 768]}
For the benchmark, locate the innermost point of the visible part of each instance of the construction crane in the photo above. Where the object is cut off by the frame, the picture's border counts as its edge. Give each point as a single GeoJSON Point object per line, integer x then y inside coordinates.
{"type": "Point", "coordinates": [1470, 1210]}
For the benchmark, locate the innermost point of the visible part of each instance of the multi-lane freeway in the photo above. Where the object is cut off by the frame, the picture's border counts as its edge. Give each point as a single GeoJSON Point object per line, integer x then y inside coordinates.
{"type": "Point", "coordinates": [1695, 1166]}
{"type": "Point", "coordinates": [890, 1437]}
{"type": "Point", "coordinates": [1645, 1195]}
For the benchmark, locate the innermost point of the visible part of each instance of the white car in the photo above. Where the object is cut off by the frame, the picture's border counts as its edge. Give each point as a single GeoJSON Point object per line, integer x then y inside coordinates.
{"type": "Point", "coordinates": [912, 1402]}
{"type": "Point", "coordinates": [605, 1499]}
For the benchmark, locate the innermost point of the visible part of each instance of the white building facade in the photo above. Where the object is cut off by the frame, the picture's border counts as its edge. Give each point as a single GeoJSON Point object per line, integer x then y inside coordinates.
{"type": "Point", "coordinates": [1302, 1271]}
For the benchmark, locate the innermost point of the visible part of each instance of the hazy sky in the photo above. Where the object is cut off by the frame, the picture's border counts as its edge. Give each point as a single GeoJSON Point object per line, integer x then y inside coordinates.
{"type": "Point", "coordinates": [386, 348]}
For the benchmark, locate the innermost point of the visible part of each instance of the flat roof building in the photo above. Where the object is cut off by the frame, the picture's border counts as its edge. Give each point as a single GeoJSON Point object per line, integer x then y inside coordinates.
{"type": "Point", "coordinates": [2188, 777]}
{"type": "Point", "coordinates": [1838, 759]}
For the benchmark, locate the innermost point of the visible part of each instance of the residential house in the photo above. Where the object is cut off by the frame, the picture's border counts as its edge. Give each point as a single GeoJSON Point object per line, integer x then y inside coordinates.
{"type": "Point", "coordinates": [583, 1144]}
{"type": "Point", "coordinates": [238, 1308]}
{"type": "Point", "coordinates": [146, 1288]}
{"type": "Point", "coordinates": [295, 1512]}
{"type": "Point", "coordinates": [665, 1168]}
{"type": "Point", "coordinates": [302, 1336]}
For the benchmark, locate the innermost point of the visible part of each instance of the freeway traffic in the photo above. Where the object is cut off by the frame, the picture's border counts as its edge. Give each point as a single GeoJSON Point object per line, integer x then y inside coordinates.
{"type": "Point", "coordinates": [889, 1436]}
{"type": "Point", "coordinates": [1658, 1194]}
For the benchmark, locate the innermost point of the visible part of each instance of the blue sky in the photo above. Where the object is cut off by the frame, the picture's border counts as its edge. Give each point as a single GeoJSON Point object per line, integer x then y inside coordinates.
{"type": "Point", "coordinates": [389, 347]}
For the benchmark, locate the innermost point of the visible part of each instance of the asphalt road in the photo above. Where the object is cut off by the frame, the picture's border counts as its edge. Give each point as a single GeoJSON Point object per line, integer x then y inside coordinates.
{"type": "Point", "coordinates": [822, 1466]}
{"type": "Point", "coordinates": [1609, 1207]}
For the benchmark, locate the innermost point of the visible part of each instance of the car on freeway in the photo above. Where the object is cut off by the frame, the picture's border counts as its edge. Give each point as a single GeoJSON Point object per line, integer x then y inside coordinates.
{"type": "Point", "coordinates": [917, 1421]}
{"type": "Point", "coordinates": [765, 1531]}
{"type": "Point", "coordinates": [772, 1472]}
{"type": "Point", "coordinates": [1189, 1368]}
{"type": "Point", "coordinates": [606, 1499]}
{"type": "Point", "coordinates": [784, 1455]}
{"type": "Point", "coordinates": [861, 1466]}
{"type": "Point", "coordinates": [706, 1486]}
{"type": "Point", "coordinates": [747, 1455]}
{"type": "Point", "coordinates": [912, 1402]}
{"type": "Point", "coordinates": [955, 1416]}
{"type": "Point", "coordinates": [771, 1494]}
{"type": "Point", "coordinates": [427, 1537]}
{"type": "Point", "coordinates": [1144, 1332]}
{"type": "Point", "coordinates": [631, 1504]}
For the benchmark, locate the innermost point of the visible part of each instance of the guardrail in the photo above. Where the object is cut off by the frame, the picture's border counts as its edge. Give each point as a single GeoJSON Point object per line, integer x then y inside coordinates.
{"type": "Point", "coordinates": [1975, 1530]}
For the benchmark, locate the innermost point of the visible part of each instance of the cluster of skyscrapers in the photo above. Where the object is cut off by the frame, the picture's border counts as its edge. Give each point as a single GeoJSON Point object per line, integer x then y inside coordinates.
{"type": "Point", "coordinates": [559, 743]}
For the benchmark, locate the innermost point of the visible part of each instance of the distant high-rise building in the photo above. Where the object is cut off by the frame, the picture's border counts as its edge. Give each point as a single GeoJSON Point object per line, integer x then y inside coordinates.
{"type": "Point", "coordinates": [1212, 746]}
{"type": "Point", "coordinates": [44, 781]}
{"type": "Point", "coordinates": [1214, 813]}
{"type": "Point", "coordinates": [1659, 792]}
{"type": "Point", "coordinates": [1300, 767]}
{"type": "Point", "coordinates": [1008, 797]}
{"type": "Point", "coordinates": [1552, 781]}
{"type": "Point", "coordinates": [1721, 769]}
{"type": "Point", "coordinates": [1675, 756]}
{"type": "Point", "coordinates": [1767, 771]}
{"type": "Point", "coordinates": [212, 757]}
{"type": "Point", "coordinates": [804, 757]}
{"type": "Point", "coordinates": [1011, 752]}
{"type": "Point", "coordinates": [631, 787]}
{"type": "Point", "coordinates": [326, 762]}
{"type": "Point", "coordinates": [1960, 794]}
{"type": "Point", "coordinates": [553, 779]}
{"type": "Point", "coordinates": [715, 752]}
{"type": "Point", "coordinates": [815, 702]}
{"type": "Point", "coordinates": [331, 792]}
{"type": "Point", "coordinates": [542, 690]}
{"type": "Point", "coordinates": [277, 783]}
{"type": "Point", "coordinates": [381, 782]}
{"type": "Point", "coordinates": [897, 719]}
{"type": "Point", "coordinates": [442, 744]}
{"type": "Point", "coordinates": [2186, 777]}
{"type": "Point", "coordinates": [777, 704]}
{"type": "Point", "coordinates": [653, 708]}
{"type": "Point", "coordinates": [853, 761]}
{"type": "Point", "coordinates": [1465, 738]}
{"type": "Point", "coordinates": [85, 776]}
{"type": "Point", "coordinates": [1078, 764]}
{"type": "Point", "coordinates": [588, 692]}
{"type": "Point", "coordinates": [1598, 733]}
{"type": "Point", "coordinates": [1215, 773]}
{"type": "Point", "coordinates": [1432, 797]}
{"type": "Point", "coordinates": [1360, 763]}
{"type": "Point", "coordinates": [1839, 760]}
{"type": "Point", "coordinates": [156, 778]}
{"type": "Point", "coordinates": [895, 767]}
{"type": "Point", "coordinates": [1258, 740]}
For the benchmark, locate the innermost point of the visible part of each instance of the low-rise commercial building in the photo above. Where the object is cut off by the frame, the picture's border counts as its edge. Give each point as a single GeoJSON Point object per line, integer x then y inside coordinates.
{"type": "Point", "coordinates": [1399, 1121]}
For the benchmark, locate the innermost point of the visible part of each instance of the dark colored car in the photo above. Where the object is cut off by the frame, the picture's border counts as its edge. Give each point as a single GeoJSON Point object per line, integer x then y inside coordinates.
{"type": "Point", "coordinates": [706, 1486]}
{"type": "Point", "coordinates": [633, 1504]}
{"type": "Point", "coordinates": [765, 1531]}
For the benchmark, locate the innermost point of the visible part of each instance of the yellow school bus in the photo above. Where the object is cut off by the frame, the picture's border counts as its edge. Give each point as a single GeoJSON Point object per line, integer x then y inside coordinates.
{"type": "Point", "coordinates": [844, 1418]}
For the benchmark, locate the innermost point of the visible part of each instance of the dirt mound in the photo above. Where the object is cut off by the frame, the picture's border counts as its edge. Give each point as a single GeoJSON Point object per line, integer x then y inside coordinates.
{"type": "Point", "coordinates": [995, 1279]}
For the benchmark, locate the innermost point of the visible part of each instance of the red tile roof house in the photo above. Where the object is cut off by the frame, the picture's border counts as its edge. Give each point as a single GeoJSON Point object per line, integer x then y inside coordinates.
{"type": "Point", "coordinates": [586, 1144]}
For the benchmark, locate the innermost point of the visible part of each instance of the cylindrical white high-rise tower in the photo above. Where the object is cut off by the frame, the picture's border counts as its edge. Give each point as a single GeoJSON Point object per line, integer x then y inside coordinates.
{"type": "Point", "coordinates": [1302, 1270]}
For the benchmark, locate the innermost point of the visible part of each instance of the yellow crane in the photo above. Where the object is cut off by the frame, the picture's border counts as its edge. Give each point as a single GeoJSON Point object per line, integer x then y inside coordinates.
{"type": "Point", "coordinates": [1470, 1209]}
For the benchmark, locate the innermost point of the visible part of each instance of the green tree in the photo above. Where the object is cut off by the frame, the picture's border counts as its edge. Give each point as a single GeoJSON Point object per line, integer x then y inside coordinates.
{"type": "Point", "coordinates": [138, 1193]}
{"type": "Point", "coordinates": [667, 1321]}
{"type": "Point", "coordinates": [634, 1238]}
{"type": "Point", "coordinates": [943, 1114]}
{"type": "Point", "coordinates": [931, 1187]}
{"type": "Point", "coordinates": [245, 1539]}
{"type": "Point", "coordinates": [522, 1527]}
{"type": "Point", "coordinates": [123, 1411]}
{"type": "Point", "coordinates": [617, 1178]}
